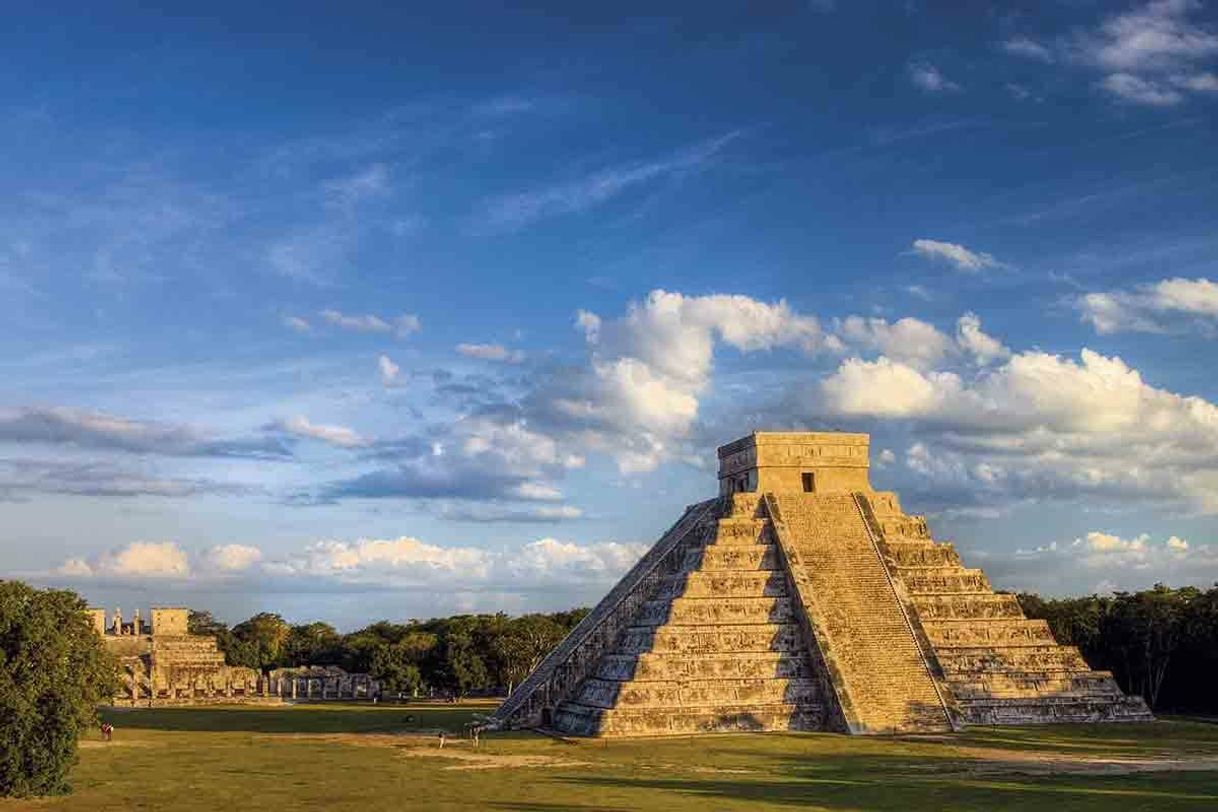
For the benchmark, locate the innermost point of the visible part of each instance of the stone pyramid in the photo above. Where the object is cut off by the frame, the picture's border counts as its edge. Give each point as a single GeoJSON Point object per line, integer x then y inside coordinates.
{"type": "Point", "coordinates": [801, 599]}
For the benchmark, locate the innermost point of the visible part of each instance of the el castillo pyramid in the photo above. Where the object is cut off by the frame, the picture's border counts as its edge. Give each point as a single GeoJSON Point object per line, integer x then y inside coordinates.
{"type": "Point", "coordinates": [801, 599]}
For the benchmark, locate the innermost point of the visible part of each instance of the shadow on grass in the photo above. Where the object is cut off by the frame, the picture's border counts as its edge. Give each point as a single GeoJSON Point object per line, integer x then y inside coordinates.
{"type": "Point", "coordinates": [543, 806]}
{"type": "Point", "coordinates": [922, 777]}
{"type": "Point", "coordinates": [872, 784]}
{"type": "Point", "coordinates": [297, 718]}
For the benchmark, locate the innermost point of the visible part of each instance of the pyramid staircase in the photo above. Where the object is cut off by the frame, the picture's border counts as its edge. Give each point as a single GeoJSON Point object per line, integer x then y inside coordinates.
{"type": "Point", "coordinates": [883, 678]}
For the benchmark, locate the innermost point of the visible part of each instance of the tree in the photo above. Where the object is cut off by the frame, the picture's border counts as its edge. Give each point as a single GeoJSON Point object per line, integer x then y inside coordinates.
{"type": "Point", "coordinates": [54, 672]}
{"type": "Point", "coordinates": [312, 644]}
{"type": "Point", "coordinates": [393, 669]}
{"type": "Point", "coordinates": [464, 667]}
{"type": "Point", "coordinates": [522, 644]}
{"type": "Point", "coordinates": [266, 633]}
{"type": "Point", "coordinates": [202, 622]}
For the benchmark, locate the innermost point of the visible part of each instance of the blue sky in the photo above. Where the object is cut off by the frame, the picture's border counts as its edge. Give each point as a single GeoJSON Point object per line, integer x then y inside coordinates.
{"type": "Point", "coordinates": [363, 312]}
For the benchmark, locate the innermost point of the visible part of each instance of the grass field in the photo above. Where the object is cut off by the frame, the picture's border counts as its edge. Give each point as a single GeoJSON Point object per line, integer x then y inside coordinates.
{"type": "Point", "coordinates": [361, 757]}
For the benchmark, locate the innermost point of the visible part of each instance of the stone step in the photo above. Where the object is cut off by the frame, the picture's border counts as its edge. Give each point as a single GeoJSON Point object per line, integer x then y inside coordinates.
{"type": "Point", "coordinates": [995, 659]}
{"type": "Point", "coordinates": [725, 639]}
{"type": "Point", "coordinates": [1026, 685]}
{"type": "Point", "coordinates": [737, 665]}
{"type": "Point", "coordinates": [715, 611]}
{"type": "Point", "coordinates": [726, 584]}
{"type": "Point", "coordinates": [739, 530]}
{"type": "Point", "coordinates": [945, 581]}
{"type": "Point", "coordinates": [969, 606]}
{"type": "Point", "coordinates": [969, 632]}
{"type": "Point", "coordinates": [603, 693]}
{"type": "Point", "coordinates": [582, 720]}
{"type": "Point", "coordinates": [716, 557]}
{"type": "Point", "coordinates": [904, 554]}
{"type": "Point", "coordinates": [742, 505]}
{"type": "Point", "coordinates": [913, 527]}
{"type": "Point", "coordinates": [1049, 710]}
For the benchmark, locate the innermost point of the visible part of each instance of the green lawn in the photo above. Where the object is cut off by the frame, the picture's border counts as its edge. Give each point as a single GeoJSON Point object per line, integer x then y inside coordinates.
{"type": "Point", "coordinates": [360, 757]}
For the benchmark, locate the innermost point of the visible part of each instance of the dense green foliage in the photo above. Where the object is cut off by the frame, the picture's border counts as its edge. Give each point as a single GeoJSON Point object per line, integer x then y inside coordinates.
{"type": "Point", "coordinates": [1161, 643]}
{"type": "Point", "coordinates": [54, 671]}
{"type": "Point", "coordinates": [466, 654]}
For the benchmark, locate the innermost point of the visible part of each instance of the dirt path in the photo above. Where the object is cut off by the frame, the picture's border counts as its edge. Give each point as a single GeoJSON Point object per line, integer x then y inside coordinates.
{"type": "Point", "coordinates": [457, 750]}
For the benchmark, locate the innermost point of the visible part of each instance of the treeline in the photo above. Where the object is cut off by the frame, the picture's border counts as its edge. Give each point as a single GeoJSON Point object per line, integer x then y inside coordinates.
{"type": "Point", "coordinates": [465, 654]}
{"type": "Point", "coordinates": [1161, 643]}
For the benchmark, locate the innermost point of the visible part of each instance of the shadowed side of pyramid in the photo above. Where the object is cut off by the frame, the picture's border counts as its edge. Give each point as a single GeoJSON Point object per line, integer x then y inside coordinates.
{"type": "Point", "coordinates": [801, 599]}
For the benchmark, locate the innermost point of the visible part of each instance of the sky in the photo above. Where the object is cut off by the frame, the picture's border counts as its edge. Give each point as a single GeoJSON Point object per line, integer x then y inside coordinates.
{"type": "Point", "coordinates": [352, 312]}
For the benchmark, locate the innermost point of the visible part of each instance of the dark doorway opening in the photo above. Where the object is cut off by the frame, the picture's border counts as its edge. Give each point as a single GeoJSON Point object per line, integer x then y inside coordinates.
{"type": "Point", "coordinates": [809, 481]}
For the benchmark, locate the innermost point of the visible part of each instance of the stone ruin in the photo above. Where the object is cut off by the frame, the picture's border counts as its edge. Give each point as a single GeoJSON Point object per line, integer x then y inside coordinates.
{"type": "Point", "coordinates": [162, 663]}
{"type": "Point", "coordinates": [321, 682]}
{"type": "Point", "coordinates": [801, 599]}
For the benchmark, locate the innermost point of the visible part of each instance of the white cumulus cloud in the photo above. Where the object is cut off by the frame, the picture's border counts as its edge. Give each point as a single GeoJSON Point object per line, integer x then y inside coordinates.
{"type": "Point", "coordinates": [139, 559]}
{"type": "Point", "coordinates": [231, 557]}
{"type": "Point", "coordinates": [909, 340]}
{"type": "Point", "coordinates": [1155, 307]}
{"type": "Point", "coordinates": [649, 368]}
{"type": "Point", "coordinates": [1043, 423]}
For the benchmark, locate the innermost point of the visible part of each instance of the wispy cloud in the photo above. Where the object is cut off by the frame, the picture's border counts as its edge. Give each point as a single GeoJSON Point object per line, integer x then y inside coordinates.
{"type": "Point", "coordinates": [21, 478]}
{"type": "Point", "coordinates": [297, 324]}
{"type": "Point", "coordinates": [929, 78]}
{"type": "Point", "coordinates": [66, 426]}
{"type": "Point", "coordinates": [400, 326]}
{"type": "Point", "coordinates": [1154, 54]}
{"type": "Point", "coordinates": [515, 211]}
{"type": "Point", "coordinates": [391, 373]}
{"type": "Point", "coordinates": [954, 254]}
{"type": "Point", "coordinates": [340, 436]}
{"type": "Point", "coordinates": [1029, 49]}
{"type": "Point", "coordinates": [491, 352]}
{"type": "Point", "coordinates": [370, 182]}
{"type": "Point", "coordinates": [314, 255]}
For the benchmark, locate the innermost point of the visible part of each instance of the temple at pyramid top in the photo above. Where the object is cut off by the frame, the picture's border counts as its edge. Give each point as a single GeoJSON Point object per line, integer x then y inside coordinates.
{"type": "Point", "coordinates": [794, 462]}
{"type": "Point", "coordinates": [800, 598]}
